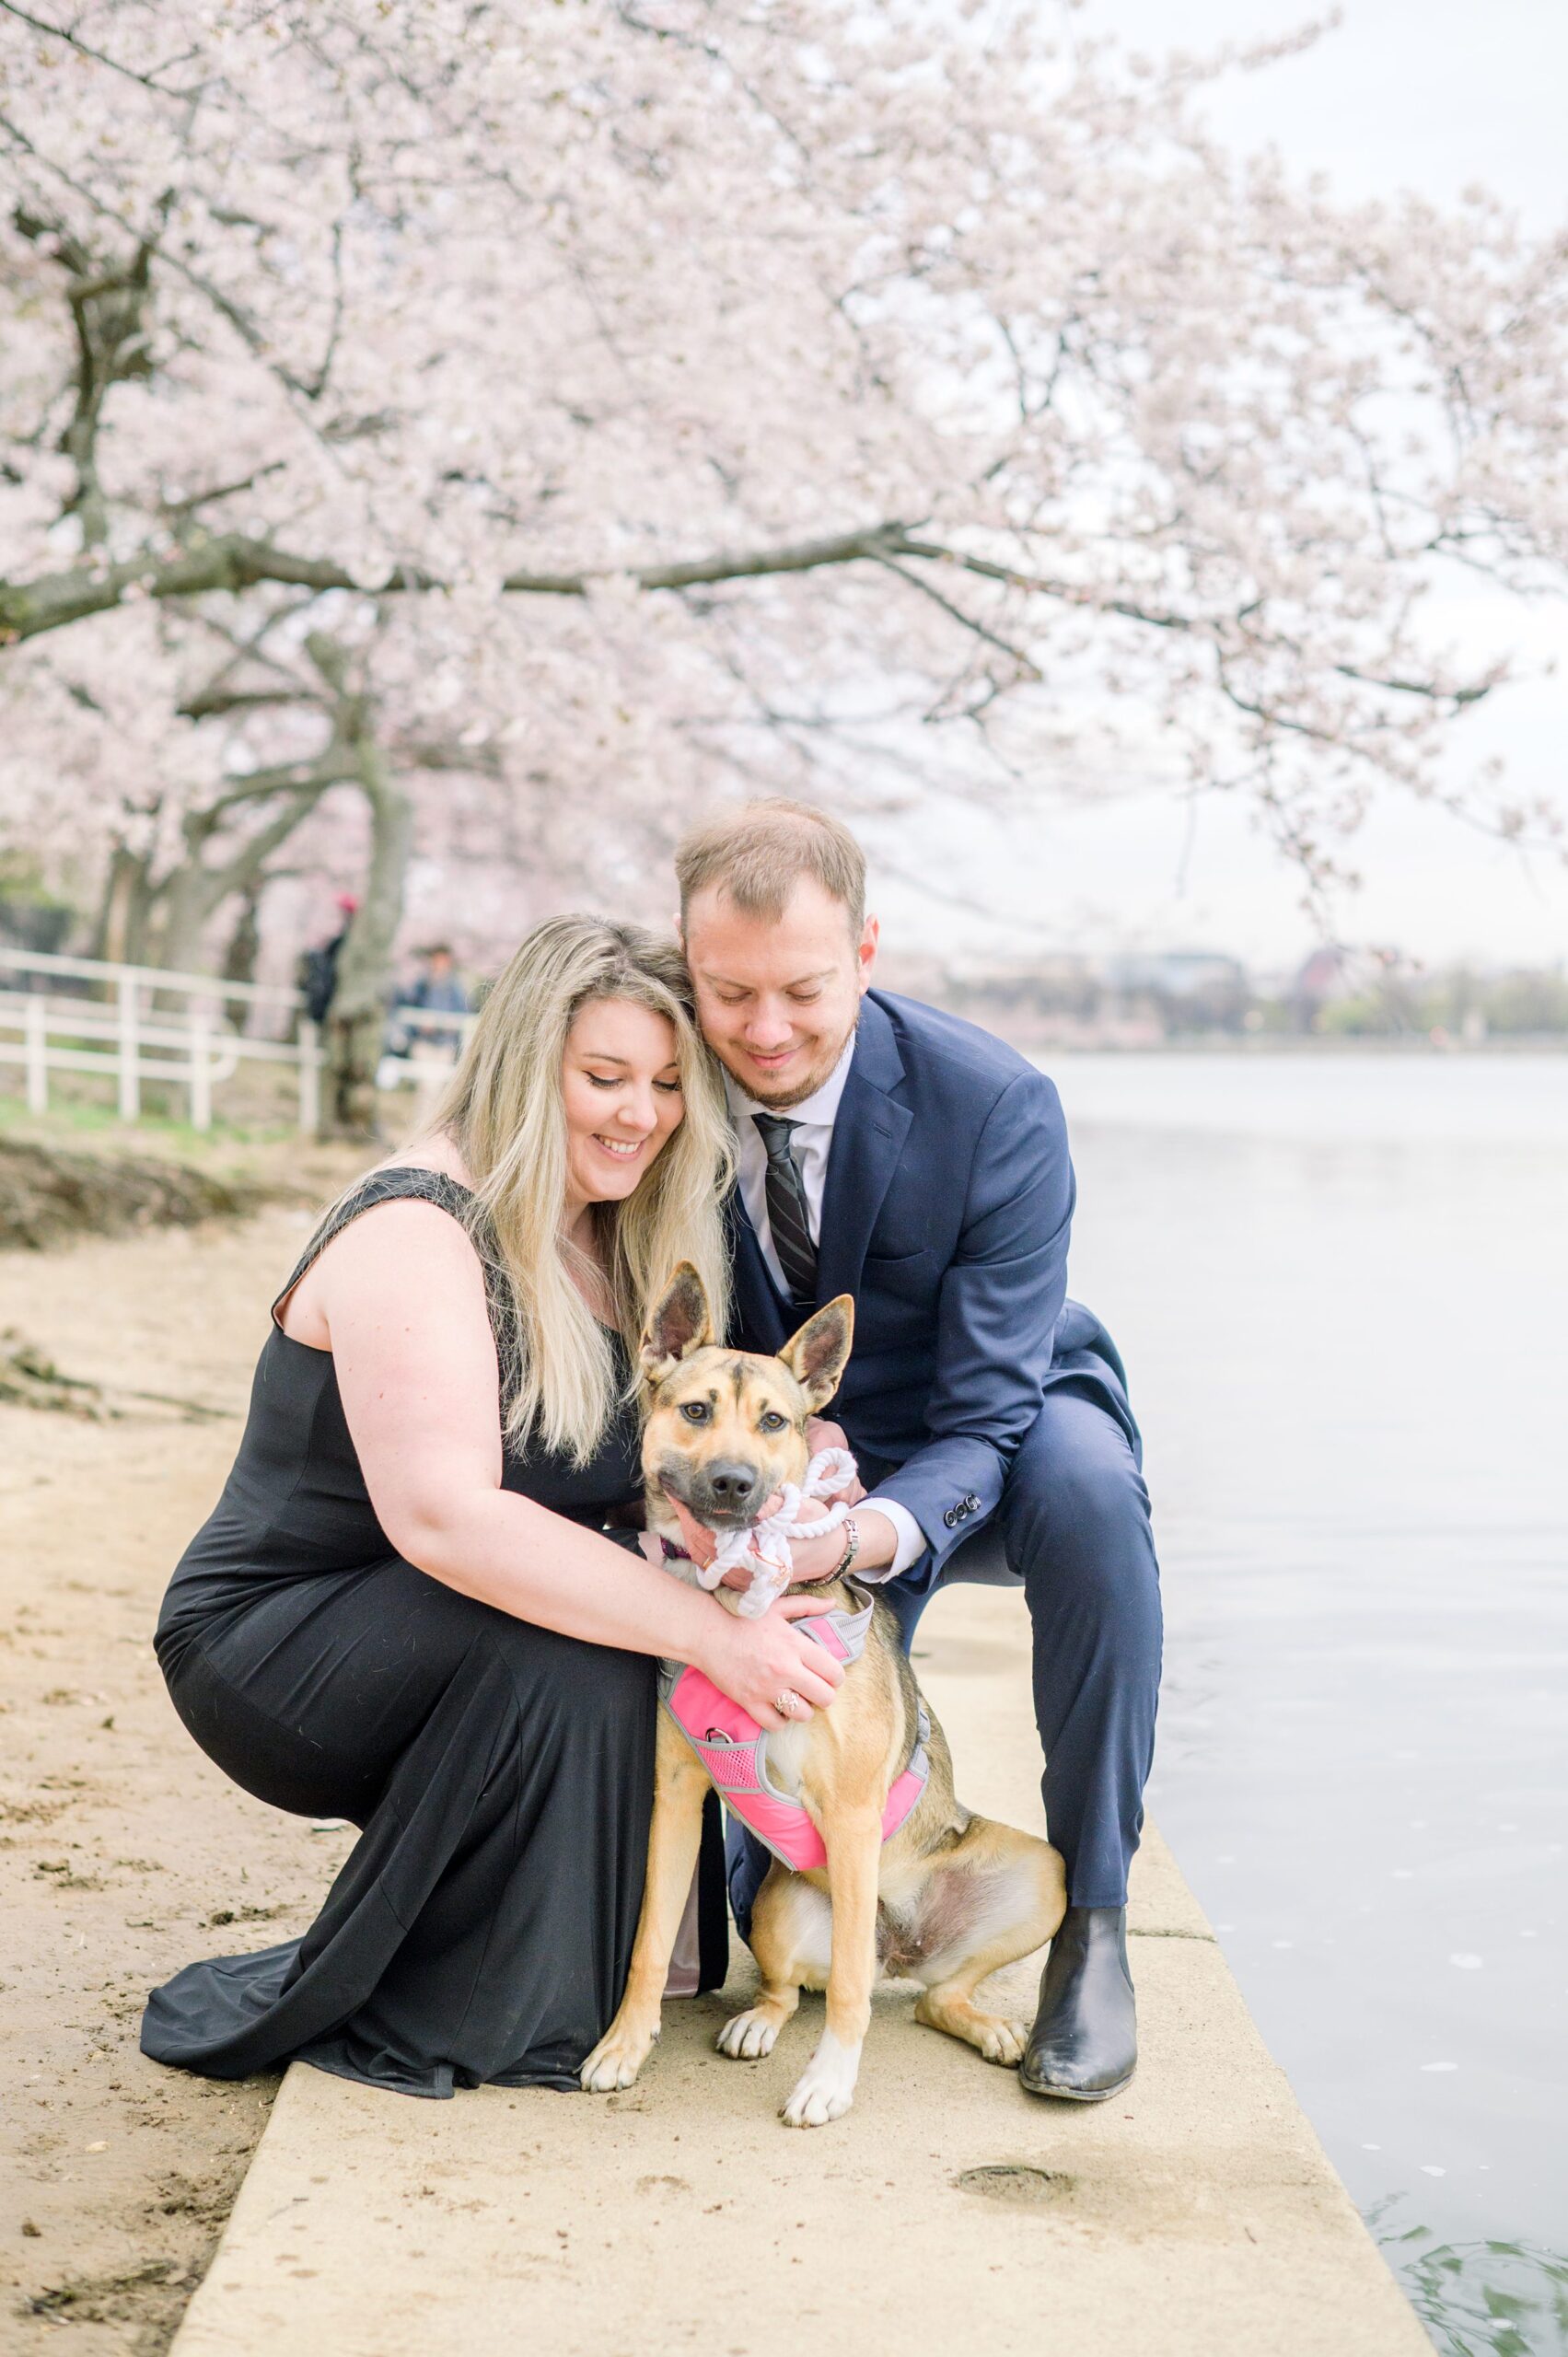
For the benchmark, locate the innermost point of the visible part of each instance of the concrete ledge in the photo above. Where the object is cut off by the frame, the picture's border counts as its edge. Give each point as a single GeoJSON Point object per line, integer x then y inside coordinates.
{"type": "Point", "coordinates": [1197, 2214]}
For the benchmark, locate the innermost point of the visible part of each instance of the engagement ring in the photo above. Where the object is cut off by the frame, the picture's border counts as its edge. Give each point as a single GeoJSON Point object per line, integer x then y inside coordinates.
{"type": "Point", "coordinates": [784, 1703]}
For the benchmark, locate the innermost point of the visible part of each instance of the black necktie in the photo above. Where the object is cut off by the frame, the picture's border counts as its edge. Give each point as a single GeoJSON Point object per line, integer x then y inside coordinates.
{"type": "Point", "coordinates": [787, 1215]}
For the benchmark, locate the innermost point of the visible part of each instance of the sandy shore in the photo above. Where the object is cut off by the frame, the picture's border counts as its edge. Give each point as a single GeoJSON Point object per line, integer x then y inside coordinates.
{"type": "Point", "coordinates": [120, 1849]}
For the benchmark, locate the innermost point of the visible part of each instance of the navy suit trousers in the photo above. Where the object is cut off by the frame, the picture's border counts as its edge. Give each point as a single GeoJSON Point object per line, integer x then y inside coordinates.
{"type": "Point", "coordinates": [1073, 1530]}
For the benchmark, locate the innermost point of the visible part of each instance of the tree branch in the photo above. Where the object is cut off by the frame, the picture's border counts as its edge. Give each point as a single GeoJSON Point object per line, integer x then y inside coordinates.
{"type": "Point", "coordinates": [238, 319]}
{"type": "Point", "coordinates": [250, 856]}
{"type": "Point", "coordinates": [188, 506]}
{"type": "Point", "coordinates": [98, 56]}
{"type": "Point", "coordinates": [107, 305]}
{"type": "Point", "coordinates": [1027, 668]}
{"type": "Point", "coordinates": [217, 704]}
{"type": "Point", "coordinates": [235, 562]}
{"type": "Point", "coordinates": [804, 556]}
{"type": "Point", "coordinates": [227, 561]}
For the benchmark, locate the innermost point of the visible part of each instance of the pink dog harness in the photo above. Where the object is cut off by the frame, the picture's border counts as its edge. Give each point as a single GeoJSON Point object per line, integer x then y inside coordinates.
{"type": "Point", "coordinates": [734, 1748]}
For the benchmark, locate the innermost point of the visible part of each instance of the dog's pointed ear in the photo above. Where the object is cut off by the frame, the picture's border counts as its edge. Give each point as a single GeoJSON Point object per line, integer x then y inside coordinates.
{"type": "Point", "coordinates": [681, 1322]}
{"type": "Point", "coordinates": [819, 1354]}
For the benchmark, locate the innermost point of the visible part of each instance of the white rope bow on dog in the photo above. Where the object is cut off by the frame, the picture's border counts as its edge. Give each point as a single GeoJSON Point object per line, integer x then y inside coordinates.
{"type": "Point", "coordinates": [765, 1546]}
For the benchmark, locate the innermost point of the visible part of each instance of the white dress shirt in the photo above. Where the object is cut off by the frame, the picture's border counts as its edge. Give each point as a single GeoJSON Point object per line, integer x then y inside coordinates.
{"type": "Point", "coordinates": [812, 1138]}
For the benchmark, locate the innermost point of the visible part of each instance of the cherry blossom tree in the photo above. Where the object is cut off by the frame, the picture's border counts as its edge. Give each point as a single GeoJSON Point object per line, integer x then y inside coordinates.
{"type": "Point", "coordinates": [591, 410]}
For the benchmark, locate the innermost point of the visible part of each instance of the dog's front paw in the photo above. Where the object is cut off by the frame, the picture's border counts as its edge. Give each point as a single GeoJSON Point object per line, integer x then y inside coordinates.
{"type": "Point", "coordinates": [1002, 2042]}
{"type": "Point", "coordinates": [749, 2036]}
{"type": "Point", "coordinates": [825, 2089]}
{"type": "Point", "coordinates": [616, 2060]}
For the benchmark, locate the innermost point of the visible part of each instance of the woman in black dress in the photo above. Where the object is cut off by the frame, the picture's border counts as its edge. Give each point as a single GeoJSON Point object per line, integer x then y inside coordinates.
{"type": "Point", "coordinates": [403, 1610]}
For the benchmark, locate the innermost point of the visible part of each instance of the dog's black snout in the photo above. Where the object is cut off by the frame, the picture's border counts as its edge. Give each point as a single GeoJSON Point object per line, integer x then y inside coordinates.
{"type": "Point", "coordinates": [730, 1485]}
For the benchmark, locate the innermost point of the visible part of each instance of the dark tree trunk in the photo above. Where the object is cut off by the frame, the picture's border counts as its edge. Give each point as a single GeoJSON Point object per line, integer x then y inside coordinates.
{"type": "Point", "coordinates": [357, 1019]}
{"type": "Point", "coordinates": [351, 1047]}
{"type": "Point", "coordinates": [193, 892]}
{"type": "Point", "coordinates": [121, 934]}
{"type": "Point", "coordinates": [245, 941]}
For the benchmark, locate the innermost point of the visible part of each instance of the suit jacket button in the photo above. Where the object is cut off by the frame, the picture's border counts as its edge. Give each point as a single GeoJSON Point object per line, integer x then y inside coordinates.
{"type": "Point", "coordinates": [973, 1502]}
{"type": "Point", "coordinates": [949, 1517]}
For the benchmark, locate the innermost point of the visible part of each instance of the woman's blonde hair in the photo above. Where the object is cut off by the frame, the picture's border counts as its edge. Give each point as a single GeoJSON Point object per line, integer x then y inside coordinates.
{"type": "Point", "coordinates": [504, 1109]}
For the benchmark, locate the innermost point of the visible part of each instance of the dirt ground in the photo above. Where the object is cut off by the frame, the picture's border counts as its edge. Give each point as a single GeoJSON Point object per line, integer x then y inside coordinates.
{"type": "Point", "coordinates": [122, 1854]}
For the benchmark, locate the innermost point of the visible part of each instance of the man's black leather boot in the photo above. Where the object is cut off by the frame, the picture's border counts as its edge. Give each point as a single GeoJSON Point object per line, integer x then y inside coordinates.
{"type": "Point", "coordinates": [1084, 2041]}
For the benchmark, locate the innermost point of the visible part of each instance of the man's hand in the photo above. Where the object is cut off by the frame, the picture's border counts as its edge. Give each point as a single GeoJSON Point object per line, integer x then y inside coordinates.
{"type": "Point", "coordinates": [820, 1434]}
{"type": "Point", "coordinates": [813, 1559]}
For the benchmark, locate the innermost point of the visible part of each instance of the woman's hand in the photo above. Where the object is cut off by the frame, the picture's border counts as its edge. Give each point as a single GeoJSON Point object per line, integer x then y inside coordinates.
{"type": "Point", "coordinates": [811, 1559]}
{"type": "Point", "coordinates": [756, 1661]}
{"type": "Point", "coordinates": [702, 1544]}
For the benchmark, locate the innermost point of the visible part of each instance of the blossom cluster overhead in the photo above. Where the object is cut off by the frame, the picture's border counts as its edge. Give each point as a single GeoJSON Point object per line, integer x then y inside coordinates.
{"type": "Point", "coordinates": [652, 398]}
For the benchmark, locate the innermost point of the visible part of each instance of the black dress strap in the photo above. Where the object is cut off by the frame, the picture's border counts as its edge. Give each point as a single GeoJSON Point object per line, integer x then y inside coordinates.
{"type": "Point", "coordinates": [407, 1183]}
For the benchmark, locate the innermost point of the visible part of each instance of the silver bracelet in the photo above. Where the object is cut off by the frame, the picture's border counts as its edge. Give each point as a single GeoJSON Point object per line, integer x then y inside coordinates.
{"type": "Point", "coordinates": [852, 1547]}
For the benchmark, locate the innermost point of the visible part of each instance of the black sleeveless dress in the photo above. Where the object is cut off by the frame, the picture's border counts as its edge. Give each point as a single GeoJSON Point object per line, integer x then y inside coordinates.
{"type": "Point", "coordinates": [501, 1773]}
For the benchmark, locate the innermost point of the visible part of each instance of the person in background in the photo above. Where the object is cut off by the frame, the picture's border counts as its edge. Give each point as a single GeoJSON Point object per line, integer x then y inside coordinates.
{"type": "Point", "coordinates": [438, 991]}
{"type": "Point", "coordinates": [319, 967]}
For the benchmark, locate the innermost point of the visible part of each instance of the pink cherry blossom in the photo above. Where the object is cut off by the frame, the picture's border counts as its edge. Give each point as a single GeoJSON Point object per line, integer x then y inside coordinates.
{"type": "Point", "coordinates": [529, 424]}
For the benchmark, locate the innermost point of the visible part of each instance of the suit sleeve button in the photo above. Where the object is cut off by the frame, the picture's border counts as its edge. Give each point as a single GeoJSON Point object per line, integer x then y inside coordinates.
{"type": "Point", "coordinates": [950, 1518]}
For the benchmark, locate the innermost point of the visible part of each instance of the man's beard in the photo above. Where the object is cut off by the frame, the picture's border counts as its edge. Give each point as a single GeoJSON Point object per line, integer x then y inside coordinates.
{"type": "Point", "coordinates": [796, 1092]}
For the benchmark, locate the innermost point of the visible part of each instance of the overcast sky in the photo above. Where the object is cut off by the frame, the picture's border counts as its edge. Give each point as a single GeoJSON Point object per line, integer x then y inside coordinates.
{"type": "Point", "coordinates": [1426, 94]}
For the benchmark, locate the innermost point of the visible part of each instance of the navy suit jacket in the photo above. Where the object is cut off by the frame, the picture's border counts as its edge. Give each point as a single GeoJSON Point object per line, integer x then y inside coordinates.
{"type": "Point", "coordinates": [946, 1212]}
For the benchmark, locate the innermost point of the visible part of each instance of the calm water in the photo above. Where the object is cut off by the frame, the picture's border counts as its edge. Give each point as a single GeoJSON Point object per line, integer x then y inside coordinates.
{"type": "Point", "coordinates": [1341, 1287]}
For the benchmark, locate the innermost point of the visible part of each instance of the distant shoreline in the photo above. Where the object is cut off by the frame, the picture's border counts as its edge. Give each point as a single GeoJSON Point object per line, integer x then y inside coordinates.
{"type": "Point", "coordinates": [1282, 1043]}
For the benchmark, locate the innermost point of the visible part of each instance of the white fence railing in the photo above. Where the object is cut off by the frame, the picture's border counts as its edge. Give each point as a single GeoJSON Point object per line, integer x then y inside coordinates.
{"type": "Point", "coordinates": [120, 1032]}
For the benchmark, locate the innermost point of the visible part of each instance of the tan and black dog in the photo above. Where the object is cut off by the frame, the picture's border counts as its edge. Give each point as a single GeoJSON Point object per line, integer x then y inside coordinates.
{"type": "Point", "coordinates": [950, 1896]}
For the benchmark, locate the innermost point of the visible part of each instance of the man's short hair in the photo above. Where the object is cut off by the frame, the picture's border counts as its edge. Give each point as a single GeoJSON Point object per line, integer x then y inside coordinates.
{"type": "Point", "coordinates": [757, 854]}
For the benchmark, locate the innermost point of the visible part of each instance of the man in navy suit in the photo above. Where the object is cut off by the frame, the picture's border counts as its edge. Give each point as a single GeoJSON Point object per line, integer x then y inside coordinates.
{"type": "Point", "coordinates": [892, 1151]}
